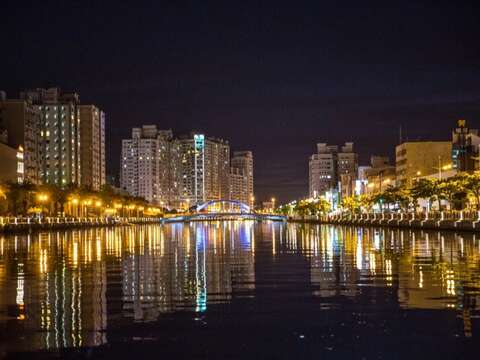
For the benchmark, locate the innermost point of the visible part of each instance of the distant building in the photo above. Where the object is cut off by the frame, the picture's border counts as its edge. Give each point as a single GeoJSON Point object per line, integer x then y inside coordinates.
{"type": "Point", "coordinates": [239, 186]}
{"type": "Point", "coordinates": [149, 165]}
{"type": "Point", "coordinates": [20, 128]}
{"type": "Point", "coordinates": [205, 168]}
{"type": "Point", "coordinates": [243, 160]}
{"type": "Point", "coordinates": [420, 158]}
{"type": "Point", "coordinates": [465, 148]}
{"type": "Point", "coordinates": [59, 133]}
{"type": "Point", "coordinates": [380, 175]}
{"type": "Point", "coordinates": [268, 206]}
{"type": "Point", "coordinates": [347, 185]}
{"type": "Point", "coordinates": [185, 171]}
{"type": "Point", "coordinates": [11, 164]}
{"type": "Point", "coordinates": [92, 147]}
{"type": "Point", "coordinates": [328, 165]}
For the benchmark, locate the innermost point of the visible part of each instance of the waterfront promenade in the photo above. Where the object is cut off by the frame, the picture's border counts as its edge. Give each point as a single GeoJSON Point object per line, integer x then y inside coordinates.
{"type": "Point", "coordinates": [29, 224]}
{"type": "Point", "coordinates": [455, 220]}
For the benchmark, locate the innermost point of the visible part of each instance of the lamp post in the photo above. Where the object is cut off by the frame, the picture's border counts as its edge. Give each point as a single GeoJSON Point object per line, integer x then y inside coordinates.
{"type": "Point", "coordinates": [98, 205]}
{"type": "Point", "coordinates": [42, 199]}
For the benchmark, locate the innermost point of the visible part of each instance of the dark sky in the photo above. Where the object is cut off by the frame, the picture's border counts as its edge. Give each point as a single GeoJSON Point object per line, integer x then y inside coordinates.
{"type": "Point", "coordinates": [274, 77]}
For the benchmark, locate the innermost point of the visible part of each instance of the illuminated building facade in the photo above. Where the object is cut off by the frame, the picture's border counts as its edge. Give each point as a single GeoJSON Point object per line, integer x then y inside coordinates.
{"type": "Point", "coordinates": [465, 148]}
{"type": "Point", "coordinates": [59, 134]}
{"type": "Point", "coordinates": [379, 175]}
{"type": "Point", "coordinates": [185, 171]}
{"type": "Point", "coordinates": [205, 169]}
{"type": "Point", "coordinates": [12, 165]}
{"type": "Point", "coordinates": [92, 147]}
{"type": "Point", "coordinates": [20, 120]}
{"type": "Point", "coordinates": [239, 186]}
{"type": "Point", "coordinates": [150, 165]}
{"type": "Point", "coordinates": [420, 158]}
{"type": "Point", "coordinates": [243, 160]}
{"type": "Point", "coordinates": [328, 165]}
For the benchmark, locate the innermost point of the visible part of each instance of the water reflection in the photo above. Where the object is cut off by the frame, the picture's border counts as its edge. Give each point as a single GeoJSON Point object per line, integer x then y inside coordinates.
{"type": "Point", "coordinates": [62, 289]}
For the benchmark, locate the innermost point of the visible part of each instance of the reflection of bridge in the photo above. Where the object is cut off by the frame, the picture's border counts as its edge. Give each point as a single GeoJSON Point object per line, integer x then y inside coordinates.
{"type": "Point", "coordinates": [216, 210]}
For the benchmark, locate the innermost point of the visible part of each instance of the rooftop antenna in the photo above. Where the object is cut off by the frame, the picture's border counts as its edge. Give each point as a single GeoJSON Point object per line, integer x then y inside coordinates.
{"type": "Point", "coordinates": [400, 134]}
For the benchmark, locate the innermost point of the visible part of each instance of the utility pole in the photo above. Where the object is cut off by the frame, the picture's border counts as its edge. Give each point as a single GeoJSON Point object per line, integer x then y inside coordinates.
{"type": "Point", "coordinates": [439, 167]}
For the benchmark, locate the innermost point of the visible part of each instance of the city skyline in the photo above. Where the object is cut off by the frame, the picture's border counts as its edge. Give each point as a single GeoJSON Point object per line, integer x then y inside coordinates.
{"type": "Point", "coordinates": [253, 81]}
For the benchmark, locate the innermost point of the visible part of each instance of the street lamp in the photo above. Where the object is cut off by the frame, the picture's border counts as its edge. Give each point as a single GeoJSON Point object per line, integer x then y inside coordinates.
{"type": "Point", "coordinates": [42, 199]}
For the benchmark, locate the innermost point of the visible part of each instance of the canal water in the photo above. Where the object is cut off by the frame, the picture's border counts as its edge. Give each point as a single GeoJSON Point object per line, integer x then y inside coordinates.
{"type": "Point", "coordinates": [240, 290]}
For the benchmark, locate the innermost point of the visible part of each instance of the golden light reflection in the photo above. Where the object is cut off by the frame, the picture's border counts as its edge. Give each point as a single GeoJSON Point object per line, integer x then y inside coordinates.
{"type": "Point", "coordinates": [59, 282]}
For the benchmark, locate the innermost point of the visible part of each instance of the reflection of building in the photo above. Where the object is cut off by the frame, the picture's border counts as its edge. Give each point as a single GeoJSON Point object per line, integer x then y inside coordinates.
{"type": "Point", "coordinates": [92, 146]}
{"type": "Point", "coordinates": [465, 148]}
{"type": "Point", "coordinates": [420, 158]}
{"type": "Point", "coordinates": [328, 165]}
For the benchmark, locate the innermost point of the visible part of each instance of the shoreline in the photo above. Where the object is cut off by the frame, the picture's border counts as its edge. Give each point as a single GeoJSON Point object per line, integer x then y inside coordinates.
{"type": "Point", "coordinates": [419, 224]}
{"type": "Point", "coordinates": [52, 224]}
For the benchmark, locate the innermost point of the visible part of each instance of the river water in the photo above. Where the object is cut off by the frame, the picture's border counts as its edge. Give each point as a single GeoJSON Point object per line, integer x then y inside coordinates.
{"type": "Point", "coordinates": [240, 290]}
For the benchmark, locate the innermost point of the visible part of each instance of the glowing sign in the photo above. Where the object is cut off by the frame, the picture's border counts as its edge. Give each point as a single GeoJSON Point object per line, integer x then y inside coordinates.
{"type": "Point", "coordinates": [199, 141]}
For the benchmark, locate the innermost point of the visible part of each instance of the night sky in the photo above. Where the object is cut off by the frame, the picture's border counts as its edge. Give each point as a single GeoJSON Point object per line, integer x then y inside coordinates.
{"type": "Point", "coordinates": [272, 77]}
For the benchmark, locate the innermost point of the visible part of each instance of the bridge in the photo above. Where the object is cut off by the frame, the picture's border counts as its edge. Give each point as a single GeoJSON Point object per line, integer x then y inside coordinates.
{"type": "Point", "coordinates": [217, 210]}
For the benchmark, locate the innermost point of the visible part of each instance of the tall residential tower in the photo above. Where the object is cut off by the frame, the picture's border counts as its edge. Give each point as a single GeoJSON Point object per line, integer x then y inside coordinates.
{"type": "Point", "coordinates": [327, 166]}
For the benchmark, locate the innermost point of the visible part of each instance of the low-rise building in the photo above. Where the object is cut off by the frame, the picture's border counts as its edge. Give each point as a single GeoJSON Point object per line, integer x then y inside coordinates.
{"type": "Point", "coordinates": [420, 158]}
{"type": "Point", "coordinates": [11, 164]}
{"type": "Point", "coordinates": [380, 175]}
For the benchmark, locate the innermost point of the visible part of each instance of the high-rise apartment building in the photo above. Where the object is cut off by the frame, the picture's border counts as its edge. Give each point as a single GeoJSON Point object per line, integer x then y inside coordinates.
{"type": "Point", "coordinates": [205, 168]}
{"type": "Point", "coordinates": [20, 121]}
{"type": "Point", "coordinates": [150, 165]}
{"type": "Point", "coordinates": [328, 165]}
{"type": "Point", "coordinates": [92, 147]}
{"type": "Point", "coordinates": [465, 148]}
{"type": "Point", "coordinates": [421, 158]}
{"type": "Point", "coordinates": [243, 160]}
{"type": "Point", "coordinates": [239, 185]}
{"type": "Point", "coordinates": [185, 171]}
{"type": "Point", "coordinates": [59, 134]}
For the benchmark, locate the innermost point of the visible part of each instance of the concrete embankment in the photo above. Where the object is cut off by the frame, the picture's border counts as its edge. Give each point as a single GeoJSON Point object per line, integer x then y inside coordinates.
{"type": "Point", "coordinates": [458, 221]}
{"type": "Point", "coordinates": [27, 225]}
